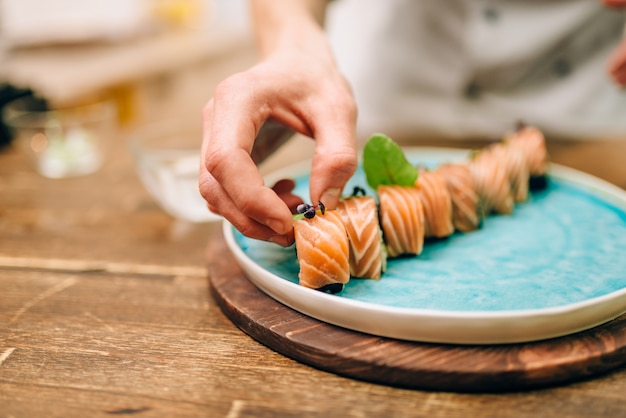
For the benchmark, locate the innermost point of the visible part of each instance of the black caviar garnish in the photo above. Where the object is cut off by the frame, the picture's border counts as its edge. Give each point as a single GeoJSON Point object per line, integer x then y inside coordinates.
{"type": "Point", "coordinates": [309, 210]}
{"type": "Point", "coordinates": [310, 213]}
{"type": "Point", "coordinates": [332, 288]}
{"type": "Point", "coordinates": [358, 191]}
{"type": "Point", "coordinates": [303, 207]}
{"type": "Point", "coordinates": [536, 183]}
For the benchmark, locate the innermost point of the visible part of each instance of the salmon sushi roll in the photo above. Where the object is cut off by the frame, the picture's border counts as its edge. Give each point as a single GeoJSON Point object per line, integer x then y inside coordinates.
{"type": "Point", "coordinates": [531, 143]}
{"type": "Point", "coordinates": [516, 166]}
{"type": "Point", "coordinates": [437, 204]}
{"type": "Point", "coordinates": [323, 252]}
{"type": "Point", "coordinates": [402, 219]}
{"type": "Point", "coordinates": [492, 181]}
{"type": "Point", "coordinates": [467, 211]}
{"type": "Point", "coordinates": [367, 252]}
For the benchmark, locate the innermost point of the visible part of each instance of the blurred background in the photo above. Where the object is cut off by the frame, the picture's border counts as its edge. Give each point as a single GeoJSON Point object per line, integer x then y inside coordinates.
{"type": "Point", "coordinates": [86, 84]}
{"type": "Point", "coordinates": [152, 57]}
{"type": "Point", "coordinates": [129, 78]}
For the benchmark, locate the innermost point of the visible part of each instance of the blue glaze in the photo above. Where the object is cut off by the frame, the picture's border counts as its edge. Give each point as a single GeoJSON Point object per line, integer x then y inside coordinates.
{"type": "Point", "coordinates": [566, 244]}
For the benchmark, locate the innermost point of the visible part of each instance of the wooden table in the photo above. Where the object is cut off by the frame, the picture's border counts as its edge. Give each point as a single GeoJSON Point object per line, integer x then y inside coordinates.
{"type": "Point", "coordinates": [105, 310]}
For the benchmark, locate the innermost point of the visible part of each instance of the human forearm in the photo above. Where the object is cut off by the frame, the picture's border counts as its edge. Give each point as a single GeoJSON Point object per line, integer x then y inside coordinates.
{"type": "Point", "coordinates": [284, 23]}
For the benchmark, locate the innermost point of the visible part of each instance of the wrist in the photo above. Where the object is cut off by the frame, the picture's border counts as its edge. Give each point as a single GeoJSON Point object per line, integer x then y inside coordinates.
{"type": "Point", "coordinates": [289, 24]}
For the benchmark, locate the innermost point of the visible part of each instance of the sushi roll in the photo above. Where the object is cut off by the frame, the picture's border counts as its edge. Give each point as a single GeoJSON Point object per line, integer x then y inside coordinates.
{"type": "Point", "coordinates": [437, 204]}
{"type": "Point", "coordinates": [516, 166]}
{"type": "Point", "coordinates": [323, 252]}
{"type": "Point", "coordinates": [367, 251]}
{"type": "Point", "coordinates": [467, 210]}
{"type": "Point", "coordinates": [531, 143]}
{"type": "Point", "coordinates": [402, 219]}
{"type": "Point", "coordinates": [492, 181]}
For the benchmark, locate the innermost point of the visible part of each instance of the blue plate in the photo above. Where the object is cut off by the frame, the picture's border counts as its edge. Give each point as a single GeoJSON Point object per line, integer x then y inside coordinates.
{"type": "Point", "coordinates": [555, 266]}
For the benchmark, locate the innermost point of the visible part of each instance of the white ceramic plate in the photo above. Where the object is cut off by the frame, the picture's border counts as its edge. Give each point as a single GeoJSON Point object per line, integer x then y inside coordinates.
{"type": "Point", "coordinates": [556, 266]}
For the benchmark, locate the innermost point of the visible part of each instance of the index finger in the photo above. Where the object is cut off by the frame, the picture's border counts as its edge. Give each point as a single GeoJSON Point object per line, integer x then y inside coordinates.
{"type": "Point", "coordinates": [230, 129]}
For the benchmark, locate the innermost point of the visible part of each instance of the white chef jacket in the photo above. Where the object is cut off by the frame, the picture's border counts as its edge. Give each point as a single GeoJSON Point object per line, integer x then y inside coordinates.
{"type": "Point", "coordinates": [472, 68]}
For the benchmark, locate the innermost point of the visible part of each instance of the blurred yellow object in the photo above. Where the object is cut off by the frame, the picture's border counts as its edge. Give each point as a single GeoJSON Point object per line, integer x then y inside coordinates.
{"type": "Point", "coordinates": [179, 14]}
{"type": "Point", "coordinates": [124, 97]}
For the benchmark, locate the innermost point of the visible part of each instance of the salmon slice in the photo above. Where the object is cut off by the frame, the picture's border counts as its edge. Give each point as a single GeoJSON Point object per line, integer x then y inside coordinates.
{"type": "Point", "coordinates": [467, 212]}
{"type": "Point", "coordinates": [492, 182]}
{"type": "Point", "coordinates": [323, 252]}
{"type": "Point", "coordinates": [402, 219]}
{"type": "Point", "coordinates": [437, 204]}
{"type": "Point", "coordinates": [367, 255]}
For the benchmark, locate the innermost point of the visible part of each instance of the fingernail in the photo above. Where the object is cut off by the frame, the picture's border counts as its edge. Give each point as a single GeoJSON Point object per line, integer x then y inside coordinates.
{"type": "Point", "coordinates": [277, 226]}
{"type": "Point", "coordinates": [330, 197]}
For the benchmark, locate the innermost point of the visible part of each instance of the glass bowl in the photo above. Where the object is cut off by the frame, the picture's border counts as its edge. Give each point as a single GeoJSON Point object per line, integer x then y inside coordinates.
{"type": "Point", "coordinates": [167, 160]}
{"type": "Point", "coordinates": [65, 141]}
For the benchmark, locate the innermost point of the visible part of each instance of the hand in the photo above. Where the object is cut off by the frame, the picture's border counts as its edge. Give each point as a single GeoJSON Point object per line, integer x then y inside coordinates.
{"type": "Point", "coordinates": [617, 61]}
{"type": "Point", "coordinates": [301, 89]}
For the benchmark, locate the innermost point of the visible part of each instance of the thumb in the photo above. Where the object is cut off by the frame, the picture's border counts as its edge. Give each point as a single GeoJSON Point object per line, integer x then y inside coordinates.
{"type": "Point", "coordinates": [334, 130]}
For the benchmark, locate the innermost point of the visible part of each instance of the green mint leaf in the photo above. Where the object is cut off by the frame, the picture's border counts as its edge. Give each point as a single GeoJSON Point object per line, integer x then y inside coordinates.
{"type": "Point", "coordinates": [384, 162]}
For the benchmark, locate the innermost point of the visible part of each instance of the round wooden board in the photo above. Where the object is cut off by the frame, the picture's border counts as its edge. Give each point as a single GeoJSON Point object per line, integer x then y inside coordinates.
{"type": "Point", "coordinates": [462, 368]}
